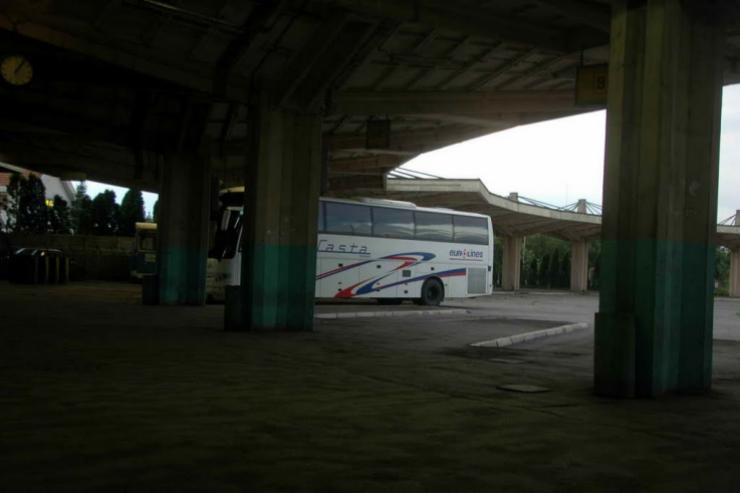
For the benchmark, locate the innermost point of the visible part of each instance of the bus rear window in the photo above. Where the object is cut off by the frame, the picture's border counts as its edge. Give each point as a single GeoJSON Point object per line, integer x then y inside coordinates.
{"type": "Point", "coordinates": [347, 219]}
{"type": "Point", "coordinates": [471, 230]}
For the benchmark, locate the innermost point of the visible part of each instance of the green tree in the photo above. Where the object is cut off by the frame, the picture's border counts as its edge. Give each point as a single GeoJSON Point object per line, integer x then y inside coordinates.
{"type": "Point", "coordinates": [132, 211]}
{"type": "Point", "coordinates": [155, 211]}
{"type": "Point", "coordinates": [722, 268]}
{"type": "Point", "coordinates": [35, 209]}
{"type": "Point", "coordinates": [531, 279]}
{"type": "Point", "coordinates": [546, 262]}
{"type": "Point", "coordinates": [553, 272]}
{"type": "Point", "coordinates": [81, 212]}
{"type": "Point", "coordinates": [542, 274]}
{"type": "Point", "coordinates": [13, 201]}
{"type": "Point", "coordinates": [105, 213]}
{"type": "Point", "coordinates": [59, 220]}
{"type": "Point", "coordinates": [27, 210]}
{"type": "Point", "coordinates": [498, 259]}
{"type": "Point", "coordinates": [594, 262]}
{"type": "Point", "coordinates": [4, 203]}
{"type": "Point", "coordinates": [564, 277]}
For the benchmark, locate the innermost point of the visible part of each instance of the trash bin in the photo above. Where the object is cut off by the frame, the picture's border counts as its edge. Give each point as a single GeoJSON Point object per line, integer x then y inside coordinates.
{"type": "Point", "coordinates": [24, 266]}
{"type": "Point", "coordinates": [54, 263]}
{"type": "Point", "coordinates": [38, 266]}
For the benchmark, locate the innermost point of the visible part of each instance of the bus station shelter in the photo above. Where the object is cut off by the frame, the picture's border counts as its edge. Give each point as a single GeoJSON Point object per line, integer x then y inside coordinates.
{"type": "Point", "coordinates": [292, 99]}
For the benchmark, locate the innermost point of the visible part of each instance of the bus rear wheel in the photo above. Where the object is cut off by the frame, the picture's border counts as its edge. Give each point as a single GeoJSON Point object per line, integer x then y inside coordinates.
{"type": "Point", "coordinates": [432, 293]}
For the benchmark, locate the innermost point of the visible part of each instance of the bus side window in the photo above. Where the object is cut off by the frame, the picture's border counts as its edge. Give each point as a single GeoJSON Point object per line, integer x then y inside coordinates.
{"type": "Point", "coordinates": [431, 226]}
{"type": "Point", "coordinates": [393, 223]}
{"type": "Point", "coordinates": [471, 230]}
{"type": "Point", "coordinates": [347, 219]}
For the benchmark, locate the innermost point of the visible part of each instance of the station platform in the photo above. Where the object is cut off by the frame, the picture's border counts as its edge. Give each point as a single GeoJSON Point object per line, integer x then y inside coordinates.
{"type": "Point", "coordinates": [141, 398]}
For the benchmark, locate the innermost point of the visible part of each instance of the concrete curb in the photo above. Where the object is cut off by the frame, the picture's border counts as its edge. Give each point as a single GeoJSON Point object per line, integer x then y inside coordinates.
{"type": "Point", "coordinates": [529, 336]}
{"type": "Point", "coordinates": [397, 313]}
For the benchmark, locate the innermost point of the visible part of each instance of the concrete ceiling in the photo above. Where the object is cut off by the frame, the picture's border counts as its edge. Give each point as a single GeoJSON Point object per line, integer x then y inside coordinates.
{"type": "Point", "coordinates": [440, 71]}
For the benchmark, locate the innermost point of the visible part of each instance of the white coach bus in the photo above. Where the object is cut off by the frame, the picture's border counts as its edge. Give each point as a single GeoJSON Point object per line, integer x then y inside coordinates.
{"type": "Point", "coordinates": [382, 249]}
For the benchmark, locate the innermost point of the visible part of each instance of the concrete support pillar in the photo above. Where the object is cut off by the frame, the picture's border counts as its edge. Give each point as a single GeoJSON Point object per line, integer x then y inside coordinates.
{"type": "Point", "coordinates": [654, 326]}
{"type": "Point", "coordinates": [282, 184]}
{"type": "Point", "coordinates": [512, 262]}
{"type": "Point", "coordinates": [184, 203]}
{"type": "Point", "coordinates": [735, 273]}
{"type": "Point", "coordinates": [579, 266]}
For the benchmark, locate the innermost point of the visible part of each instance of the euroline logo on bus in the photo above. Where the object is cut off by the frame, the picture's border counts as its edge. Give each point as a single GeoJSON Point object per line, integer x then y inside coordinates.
{"type": "Point", "coordinates": [330, 247]}
{"type": "Point", "coordinates": [465, 254]}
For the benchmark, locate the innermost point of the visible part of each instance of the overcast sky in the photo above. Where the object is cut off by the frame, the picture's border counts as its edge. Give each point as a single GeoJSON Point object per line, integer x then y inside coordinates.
{"type": "Point", "coordinates": [561, 161]}
{"type": "Point", "coordinates": [558, 161]}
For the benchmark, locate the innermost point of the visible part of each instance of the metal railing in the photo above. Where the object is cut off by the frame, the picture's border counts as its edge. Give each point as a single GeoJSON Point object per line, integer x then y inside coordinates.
{"type": "Point", "coordinates": [410, 174]}
{"type": "Point", "coordinates": [733, 220]}
{"type": "Point", "coordinates": [582, 206]}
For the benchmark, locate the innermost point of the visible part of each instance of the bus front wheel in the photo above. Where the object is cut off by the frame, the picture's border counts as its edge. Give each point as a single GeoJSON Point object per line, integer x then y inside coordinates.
{"type": "Point", "coordinates": [432, 292]}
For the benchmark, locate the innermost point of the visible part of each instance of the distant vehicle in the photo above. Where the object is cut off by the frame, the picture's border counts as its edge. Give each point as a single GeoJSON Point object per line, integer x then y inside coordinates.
{"type": "Point", "coordinates": [143, 260]}
{"type": "Point", "coordinates": [382, 249]}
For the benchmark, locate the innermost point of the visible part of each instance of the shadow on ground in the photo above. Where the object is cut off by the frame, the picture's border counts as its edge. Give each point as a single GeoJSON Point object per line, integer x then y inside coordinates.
{"type": "Point", "coordinates": [100, 393]}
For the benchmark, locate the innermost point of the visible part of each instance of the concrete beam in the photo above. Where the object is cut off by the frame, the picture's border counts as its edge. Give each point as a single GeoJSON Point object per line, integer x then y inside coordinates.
{"type": "Point", "coordinates": [512, 263]}
{"type": "Point", "coordinates": [263, 13]}
{"type": "Point", "coordinates": [356, 184]}
{"type": "Point", "coordinates": [57, 154]}
{"type": "Point", "coordinates": [591, 14]}
{"type": "Point", "coordinates": [735, 273]}
{"type": "Point", "coordinates": [444, 15]}
{"type": "Point", "coordinates": [408, 143]}
{"type": "Point", "coordinates": [492, 106]}
{"type": "Point", "coordinates": [363, 165]}
{"type": "Point", "coordinates": [579, 266]}
{"type": "Point", "coordinates": [137, 60]}
{"type": "Point", "coordinates": [338, 43]}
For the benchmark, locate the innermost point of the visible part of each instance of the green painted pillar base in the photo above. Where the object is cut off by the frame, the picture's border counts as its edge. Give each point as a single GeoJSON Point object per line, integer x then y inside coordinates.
{"type": "Point", "coordinates": [283, 179]}
{"type": "Point", "coordinates": [280, 293]}
{"type": "Point", "coordinates": [614, 355]}
{"type": "Point", "coordinates": [182, 273]}
{"type": "Point", "coordinates": [654, 327]}
{"type": "Point", "coordinates": [182, 244]}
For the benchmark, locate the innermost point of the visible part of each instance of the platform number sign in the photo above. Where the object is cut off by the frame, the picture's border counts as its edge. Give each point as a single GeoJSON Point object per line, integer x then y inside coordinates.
{"type": "Point", "coordinates": [592, 85]}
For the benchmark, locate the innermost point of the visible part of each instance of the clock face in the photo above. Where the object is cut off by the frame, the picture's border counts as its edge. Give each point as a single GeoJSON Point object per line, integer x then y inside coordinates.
{"type": "Point", "coordinates": [16, 70]}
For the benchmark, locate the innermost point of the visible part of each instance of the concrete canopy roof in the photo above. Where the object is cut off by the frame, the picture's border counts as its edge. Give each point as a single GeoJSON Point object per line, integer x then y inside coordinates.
{"type": "Point", "coordinates": [509, 217]}
{"type": "Point", "coordinates": [440, 71]}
